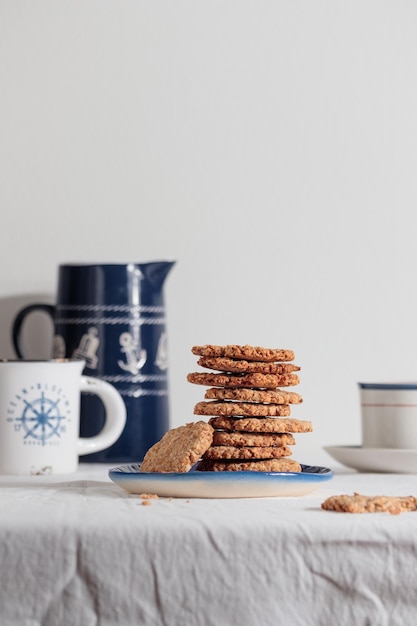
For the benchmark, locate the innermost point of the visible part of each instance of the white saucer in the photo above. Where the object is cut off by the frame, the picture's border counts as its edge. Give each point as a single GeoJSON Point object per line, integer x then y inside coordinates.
{"type": "Point", "coordinates": [386, 460]}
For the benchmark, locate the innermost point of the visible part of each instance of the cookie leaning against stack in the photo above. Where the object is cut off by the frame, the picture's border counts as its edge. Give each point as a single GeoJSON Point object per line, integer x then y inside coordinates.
{"type": "Point", "coordinates": [178, 449]}
{"type": "Point", "coordinates": [248, 409]}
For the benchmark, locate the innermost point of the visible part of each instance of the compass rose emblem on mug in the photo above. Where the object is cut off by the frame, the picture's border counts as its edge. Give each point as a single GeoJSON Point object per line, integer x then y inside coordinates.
{"type": "Point", "coordinates": [40, 416]}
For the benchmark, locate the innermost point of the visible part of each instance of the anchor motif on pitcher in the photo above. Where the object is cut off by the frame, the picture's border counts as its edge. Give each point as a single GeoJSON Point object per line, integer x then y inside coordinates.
{"type": "Point", "coordinates": [161, 359]}
{"type": "Point", "coordinates": [135, 356]}
{"type": "Point", "coordinates": [88, 347]}
{"type": "Point", "coordinates": [58, 347]}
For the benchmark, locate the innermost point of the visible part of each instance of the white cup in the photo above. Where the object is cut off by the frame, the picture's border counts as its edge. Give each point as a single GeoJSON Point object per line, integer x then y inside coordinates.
{"type": "Point", "coordinates": [40, 416]}
{"type": "Point", "coordinates": [389, 415]}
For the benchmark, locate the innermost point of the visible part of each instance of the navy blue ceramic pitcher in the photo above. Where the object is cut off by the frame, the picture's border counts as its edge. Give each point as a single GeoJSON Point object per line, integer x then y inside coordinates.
{"type": "Point", "coordinates": [113, 317]}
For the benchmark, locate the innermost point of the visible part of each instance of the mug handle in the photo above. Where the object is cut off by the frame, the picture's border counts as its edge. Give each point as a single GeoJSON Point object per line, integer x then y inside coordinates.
{"type": "Point", "coordinates": [115, 416]}
{"type": "Point", "coordinates": [18, 323]}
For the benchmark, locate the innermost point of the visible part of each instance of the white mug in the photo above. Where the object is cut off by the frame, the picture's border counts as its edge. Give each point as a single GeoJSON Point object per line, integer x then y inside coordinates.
{"type": "Point", "coordinates": [389, 415]}
{"type": "Point", "coordinates": [40, 416]}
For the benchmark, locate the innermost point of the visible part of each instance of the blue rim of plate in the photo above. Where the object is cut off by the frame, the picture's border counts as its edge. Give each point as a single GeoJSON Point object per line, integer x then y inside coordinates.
{"type": "Point", "coordinates": [308, 473]}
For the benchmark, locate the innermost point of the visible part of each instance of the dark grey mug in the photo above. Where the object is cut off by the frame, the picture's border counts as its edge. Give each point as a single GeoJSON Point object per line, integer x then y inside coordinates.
{"type": "Point", "coordinates": [113, 317]}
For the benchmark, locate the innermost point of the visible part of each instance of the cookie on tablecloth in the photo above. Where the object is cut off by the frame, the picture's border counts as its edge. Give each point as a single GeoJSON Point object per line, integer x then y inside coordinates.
{"type": "Point", "coordinates": [250, 452]}
{"type": "Point", "coordinates": [261, 424]}
{"type": "Point", "coordinates": [243, 439]}
{"type": "Point", "coordinates": [357, 503]}
{"type": "Point", "coordinates": [275, 396]}
{"type": "Point", "coordinates": [179, 448]}
{"type": "Point", "coordinates": [241, 408]}
{"type": "Point", "coordinates": [249, 353]}
{"type": "Point", "coordinates": [260, 381]}
{"type": "Point", "coordinates": [270, 465]}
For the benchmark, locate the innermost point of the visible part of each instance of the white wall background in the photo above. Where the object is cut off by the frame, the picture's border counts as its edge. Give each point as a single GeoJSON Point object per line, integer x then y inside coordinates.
{"type": "Point", "coordinates": [269, 146]}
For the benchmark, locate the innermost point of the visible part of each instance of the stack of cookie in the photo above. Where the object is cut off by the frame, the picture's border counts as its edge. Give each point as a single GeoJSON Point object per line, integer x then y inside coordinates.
{"type": "Point", "coordinates": [248, 408]}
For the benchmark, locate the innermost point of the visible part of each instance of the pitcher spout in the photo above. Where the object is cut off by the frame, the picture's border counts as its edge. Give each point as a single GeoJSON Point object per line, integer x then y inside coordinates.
{"type": "Point", "coordinates": [156, 272]}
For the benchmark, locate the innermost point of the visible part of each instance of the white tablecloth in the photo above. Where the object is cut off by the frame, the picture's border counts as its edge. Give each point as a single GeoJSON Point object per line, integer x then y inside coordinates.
{"type": "Point", "coordinates": [79, 550]}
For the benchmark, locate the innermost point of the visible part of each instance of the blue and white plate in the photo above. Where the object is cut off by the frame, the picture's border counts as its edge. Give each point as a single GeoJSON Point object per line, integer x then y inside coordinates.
{"type": "Point", "coordinates": [196, 484]}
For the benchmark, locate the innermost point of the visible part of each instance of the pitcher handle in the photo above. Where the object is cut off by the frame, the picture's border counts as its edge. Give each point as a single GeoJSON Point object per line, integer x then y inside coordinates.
{"type": "Point", "coordinates": [19, 320]}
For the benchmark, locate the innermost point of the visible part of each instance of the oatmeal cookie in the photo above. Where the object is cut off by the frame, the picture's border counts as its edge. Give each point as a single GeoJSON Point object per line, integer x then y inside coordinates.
{"type": "Point", "coordinates": [277, 396]}
{"type": "Point", "coordinates": [234, 365]}
{"type": "Point", "coordinates": [241, 408]}
{"type": "Point", "coordinates": [259, 381]}
{"type": "Point", "coordinates": [239, 439]}
{"type": "Point", "coordinates": [261, 424]}
{"type": "Point", "coordinates": [357, 503]}
{"type": "Point", "coordinates": [249, 353]}
{"type": "Point", "coordinates": [270, 465]}
{"type": "Point", "coordinates": [179, 448]}
{"type": "Point", "coordinates": [251, 452]}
